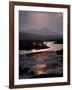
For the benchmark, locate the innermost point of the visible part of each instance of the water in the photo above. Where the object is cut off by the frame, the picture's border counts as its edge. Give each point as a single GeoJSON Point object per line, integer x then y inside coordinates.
{"type": "Point", "coordinates": [52, 47]}
{"type": "Point", "coordinates": [41, 63]}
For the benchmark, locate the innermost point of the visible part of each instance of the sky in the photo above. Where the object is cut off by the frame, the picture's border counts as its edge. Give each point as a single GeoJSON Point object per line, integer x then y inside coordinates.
{"type": "Point", "coordinates": [36, 20]}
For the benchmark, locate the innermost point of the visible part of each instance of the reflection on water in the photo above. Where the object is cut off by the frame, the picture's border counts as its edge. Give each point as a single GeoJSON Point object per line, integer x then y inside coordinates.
{"type": "Point", "coordinates": [41, 69]}
{"type": "Point", "coordinates": [39, 63]}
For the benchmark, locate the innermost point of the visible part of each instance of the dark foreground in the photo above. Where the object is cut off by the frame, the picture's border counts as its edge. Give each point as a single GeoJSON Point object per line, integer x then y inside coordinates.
{"type": "Point", "coordinates": [41, 65]}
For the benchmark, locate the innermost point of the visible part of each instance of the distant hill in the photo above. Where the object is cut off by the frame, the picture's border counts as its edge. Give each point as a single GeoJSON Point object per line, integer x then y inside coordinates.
{"type": "Point", "coordinates": [43, 33]}
{"type": "Point", "coordinates": [30, 36]}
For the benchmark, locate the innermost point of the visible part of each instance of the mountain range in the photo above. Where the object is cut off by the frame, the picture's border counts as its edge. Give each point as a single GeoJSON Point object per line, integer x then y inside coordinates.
{"type": "Point", "coordinates": [43, 33]}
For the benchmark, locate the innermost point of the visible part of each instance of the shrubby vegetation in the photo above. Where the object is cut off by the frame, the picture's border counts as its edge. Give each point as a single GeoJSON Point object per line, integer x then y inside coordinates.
{"type": "Point", "coordinates": [30, 44]}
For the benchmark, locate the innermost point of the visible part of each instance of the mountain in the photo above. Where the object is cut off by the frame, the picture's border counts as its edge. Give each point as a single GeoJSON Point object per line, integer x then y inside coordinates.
{"type": "Point", "coordinates": [43, 31]}
{"type": "Point", "coordinates": [41, 34]}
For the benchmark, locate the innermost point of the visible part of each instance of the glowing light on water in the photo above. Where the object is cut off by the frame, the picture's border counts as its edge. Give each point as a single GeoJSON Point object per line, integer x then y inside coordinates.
{"type": "Point", "coordinates": [40, 69]}
{"type": "Point", "coordinates": [40, 66]}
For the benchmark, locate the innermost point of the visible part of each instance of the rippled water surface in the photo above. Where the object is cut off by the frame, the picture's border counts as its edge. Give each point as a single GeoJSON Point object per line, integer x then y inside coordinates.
{"type": "Point", "coordinates": [41, 64]}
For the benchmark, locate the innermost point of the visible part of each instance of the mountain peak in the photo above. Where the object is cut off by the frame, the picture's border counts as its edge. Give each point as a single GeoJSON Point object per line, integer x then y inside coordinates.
{"type": "Point", "coordinates": [44, 28]}
{"type": "Point", "coordinates": [43, 31]}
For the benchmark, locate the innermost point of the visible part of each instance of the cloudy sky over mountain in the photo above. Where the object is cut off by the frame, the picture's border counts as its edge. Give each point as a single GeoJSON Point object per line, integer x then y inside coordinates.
{"type": "Point", "coordinates": [31, 20]}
